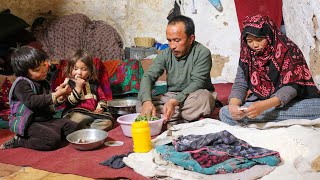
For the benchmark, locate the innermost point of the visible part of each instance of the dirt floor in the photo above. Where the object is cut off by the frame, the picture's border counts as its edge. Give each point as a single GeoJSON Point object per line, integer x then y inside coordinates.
{"type": "Point", "coordinates": [11, 172]}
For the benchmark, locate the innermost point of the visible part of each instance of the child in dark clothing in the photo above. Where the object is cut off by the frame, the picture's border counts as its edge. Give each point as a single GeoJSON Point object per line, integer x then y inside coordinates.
{"type": "Point", "coordinates": [32, 104]}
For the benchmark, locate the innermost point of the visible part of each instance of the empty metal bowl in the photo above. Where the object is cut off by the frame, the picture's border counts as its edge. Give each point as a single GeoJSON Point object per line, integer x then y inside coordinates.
{"type": "Point", "coordinates": [123, 106]}
{"type": "Point", "coordinates": [87, 139]}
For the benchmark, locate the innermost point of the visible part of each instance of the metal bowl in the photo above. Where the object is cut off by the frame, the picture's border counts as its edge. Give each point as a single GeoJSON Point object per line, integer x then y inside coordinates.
{"type": "Point", "coordinates": [123, 106]}
{"type": "Point", "coordinates": [87, 139]}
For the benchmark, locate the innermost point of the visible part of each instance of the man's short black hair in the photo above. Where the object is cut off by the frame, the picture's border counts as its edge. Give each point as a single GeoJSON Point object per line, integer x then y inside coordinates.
{"type": "Point", "coordinates": [188, 23]}
{"type": "Point", "coordinates": [26, 57]}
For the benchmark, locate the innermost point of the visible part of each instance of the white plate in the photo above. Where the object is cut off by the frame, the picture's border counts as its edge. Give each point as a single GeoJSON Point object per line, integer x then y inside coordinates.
{"type": "Point", "coordinates": [114, 143]}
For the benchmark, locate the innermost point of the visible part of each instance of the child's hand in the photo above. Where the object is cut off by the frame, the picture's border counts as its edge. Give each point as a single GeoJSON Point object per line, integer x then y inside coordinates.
{"type": "Point", "coordinates": [79, 84]}
{"type": "Point", "coordinates": [62, 90]}
{"type": "Point", "coordinates": [98, 110]}
{"type": "Point", "coordinates": [61, 99]}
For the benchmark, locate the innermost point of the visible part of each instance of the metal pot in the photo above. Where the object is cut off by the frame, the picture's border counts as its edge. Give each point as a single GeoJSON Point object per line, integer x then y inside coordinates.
{"type": "Point", "coordinates": [123, 106]}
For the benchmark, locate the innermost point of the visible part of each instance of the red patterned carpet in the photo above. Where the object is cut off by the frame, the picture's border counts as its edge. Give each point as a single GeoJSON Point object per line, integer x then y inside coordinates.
{"type": "Point", "coordinates": [5, 134]}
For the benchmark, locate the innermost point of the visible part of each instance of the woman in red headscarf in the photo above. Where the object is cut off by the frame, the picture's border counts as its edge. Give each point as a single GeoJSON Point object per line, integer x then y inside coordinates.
{"type": "Point", "coordinates": [273, 81]}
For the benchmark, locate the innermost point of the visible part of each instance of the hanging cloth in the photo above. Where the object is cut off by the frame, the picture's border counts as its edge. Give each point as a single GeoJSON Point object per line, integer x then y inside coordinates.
{"type": "Point", "coordinates": [271, 8]}
{"type": "Point", "coordinates": [217, 4]}
{"type": "Point", "coordinates": [175, 11]}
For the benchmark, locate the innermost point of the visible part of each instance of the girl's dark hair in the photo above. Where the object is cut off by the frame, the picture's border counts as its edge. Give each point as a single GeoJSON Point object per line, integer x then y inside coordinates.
{"type": "Point", "coordinates": [87, 59]}
{"type": "Point", "coordinates": [25, 58]}
{"type": "Point", "coordinates": [188, 23]}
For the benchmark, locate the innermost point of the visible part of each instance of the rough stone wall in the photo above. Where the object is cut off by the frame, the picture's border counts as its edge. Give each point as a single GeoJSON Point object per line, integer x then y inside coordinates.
{"type": "Point", "coordinates": [302, 20]}
{"type": "Point", "coordinates": [130, 17]}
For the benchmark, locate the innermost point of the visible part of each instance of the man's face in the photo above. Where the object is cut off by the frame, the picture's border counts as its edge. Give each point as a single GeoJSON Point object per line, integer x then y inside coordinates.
{"type": "Point", "coordinates": [179, 42]}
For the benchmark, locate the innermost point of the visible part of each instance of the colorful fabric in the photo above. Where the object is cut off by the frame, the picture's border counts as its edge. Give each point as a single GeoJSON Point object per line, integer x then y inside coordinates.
{"type": "Point", "coordinates": [4, 114]}
{"type": "Point", "coordinates": [207, 158]}
{"type": "Point", "coordinates": [216, 153]}
{"type": "Point", "coordinates": [281, 63]}
{"type": "Point", "coordinates": [20, 114]}
{"type": "Point", "coordinates": [4, 94]}
{"type": "Point", "coordinates": [111, 66]}
{"type": "Point", "coordinates": [233, 165]}
{"type": "Point", "coordinates": [126, 78]}
{"type": "Point", "coordinates": [223, 143]}
{"type": "Point", "coordinates": [103, 78]}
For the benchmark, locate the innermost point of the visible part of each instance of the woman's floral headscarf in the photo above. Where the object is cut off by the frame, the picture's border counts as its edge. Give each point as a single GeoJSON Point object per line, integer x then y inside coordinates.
{"type": "Point", "coordinates": [281, 63]}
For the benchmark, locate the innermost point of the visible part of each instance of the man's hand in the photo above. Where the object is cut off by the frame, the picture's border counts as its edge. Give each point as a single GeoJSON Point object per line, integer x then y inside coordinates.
{"type": "Point", "coordinates": [169, 108]}
{"type": "Point", "coordinates": [148, 109]}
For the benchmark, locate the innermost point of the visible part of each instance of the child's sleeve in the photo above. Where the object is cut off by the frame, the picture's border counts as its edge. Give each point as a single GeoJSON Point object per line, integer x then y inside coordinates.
{"type": "Point", "coordinates": [24, 93]}
{"type": "Point", "coordinates": [102, 98]}
{"type": "Point", "coordinates": [74, 98]}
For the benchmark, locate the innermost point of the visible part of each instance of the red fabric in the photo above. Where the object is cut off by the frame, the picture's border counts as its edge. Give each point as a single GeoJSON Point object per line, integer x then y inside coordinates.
{"type": "Point", "coordinates": [71, 161]}
{"type": "Point", "coordinates": [4, 94]}
{"type": "Point", "coordinates": [271, 8]}
{"type": "Point", "coordinates": [5, 135]}
{"type": "Point", "coordinates": [223, 90]}
{"type": "Point", "coordinates": [91, 103]}
{"type": "Point", "coordinates": [103, 78]}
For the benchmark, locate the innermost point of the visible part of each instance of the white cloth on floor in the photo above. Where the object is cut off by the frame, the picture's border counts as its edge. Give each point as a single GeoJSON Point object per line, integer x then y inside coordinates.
{"type": "Point", "coordinates": [298, 146]}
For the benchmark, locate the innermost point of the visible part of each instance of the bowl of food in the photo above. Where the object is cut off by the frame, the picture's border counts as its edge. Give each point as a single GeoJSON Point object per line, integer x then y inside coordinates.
{"type": "Point", "coordinates": [122, 106]}
{"type": "Point", "coordinates": [87, 139]}
{"type": "Point", "coordinates": [126, 121]}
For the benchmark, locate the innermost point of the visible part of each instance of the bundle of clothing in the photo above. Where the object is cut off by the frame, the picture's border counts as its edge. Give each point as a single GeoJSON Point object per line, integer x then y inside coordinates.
{"type": "Point", "coordinates": [61, 36]}
{"type": "Point", "coordinates": [216, 153]}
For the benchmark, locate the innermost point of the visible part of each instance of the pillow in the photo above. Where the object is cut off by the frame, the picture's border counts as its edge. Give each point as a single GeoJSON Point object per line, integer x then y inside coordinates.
{"type": "Point", "coordinates": [10, 24]}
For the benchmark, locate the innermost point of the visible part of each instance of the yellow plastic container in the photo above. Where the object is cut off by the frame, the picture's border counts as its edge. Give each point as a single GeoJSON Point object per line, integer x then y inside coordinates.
{"type": "Point", "coordinates": [141, 137]}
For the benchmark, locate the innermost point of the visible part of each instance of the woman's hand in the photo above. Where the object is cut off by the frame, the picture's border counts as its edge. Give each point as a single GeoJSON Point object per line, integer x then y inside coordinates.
{"type": "Point", "coordinates": [257, 108]}
{"type": "Point", "coordinates": [235, 113]}
{"type": "Point", "coordinates": [169, 109]}
{"type": "Point", "coordinates": [233, 107]}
